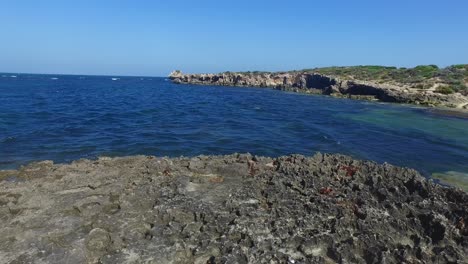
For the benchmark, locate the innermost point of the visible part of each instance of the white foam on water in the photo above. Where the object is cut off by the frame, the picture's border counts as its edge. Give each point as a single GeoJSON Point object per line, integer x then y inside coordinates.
{"type": "Point", "coordinates": [13, 76]}
{"type": "Point", "coordinates": [54, 78]}
{"type": "Point", "coordinates": [115, 79]}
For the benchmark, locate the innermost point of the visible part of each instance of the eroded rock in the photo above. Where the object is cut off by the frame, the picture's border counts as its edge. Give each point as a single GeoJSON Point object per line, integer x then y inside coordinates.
{"type": "Point", "coordinates": [315, 83]}
{"type": "Point", "coordinates": [230, 209]}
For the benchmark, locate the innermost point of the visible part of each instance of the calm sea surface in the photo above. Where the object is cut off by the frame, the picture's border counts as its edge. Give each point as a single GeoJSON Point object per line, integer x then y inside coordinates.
{"type": "Point", "coordinates": [63, 118]}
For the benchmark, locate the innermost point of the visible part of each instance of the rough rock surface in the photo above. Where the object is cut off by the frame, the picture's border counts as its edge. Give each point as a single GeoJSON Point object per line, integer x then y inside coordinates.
{"type": "Point", "coordinates": [310, 82]}
{"type": "Point", "coordinates": [229, 209]}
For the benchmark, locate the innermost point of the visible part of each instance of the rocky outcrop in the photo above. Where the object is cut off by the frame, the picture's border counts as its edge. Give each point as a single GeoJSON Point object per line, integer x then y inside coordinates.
{"type": "Point", "coordinates": [229, 209]}
{"type": "Point", "coordinates": [310, 82]}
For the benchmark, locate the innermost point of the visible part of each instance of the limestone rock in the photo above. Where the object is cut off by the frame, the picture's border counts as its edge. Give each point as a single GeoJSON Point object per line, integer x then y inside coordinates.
{"type": "Point", "coordinates": [98, 240]}
{"type": "Point", "coordinates": [237, 208]}
{"type": "Point", "coordinates": [315, 83]}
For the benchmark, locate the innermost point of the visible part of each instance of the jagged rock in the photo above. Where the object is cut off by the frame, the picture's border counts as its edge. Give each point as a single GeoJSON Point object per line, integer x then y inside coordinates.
{"type": "Point", "coordinates": [229, 209]}
{"type": "Point", "coordinates": [175, 74]}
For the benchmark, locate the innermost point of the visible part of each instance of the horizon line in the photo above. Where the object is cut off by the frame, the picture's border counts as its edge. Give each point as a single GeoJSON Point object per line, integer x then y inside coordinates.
{"type": "Point", "coordinates": [79, 74]}
{"type": "Point", "coordinates": [154, 76]}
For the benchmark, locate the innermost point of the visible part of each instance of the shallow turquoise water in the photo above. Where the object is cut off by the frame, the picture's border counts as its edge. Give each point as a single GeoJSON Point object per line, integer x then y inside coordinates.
{"type": "Point", "coordinates": [73, 117]}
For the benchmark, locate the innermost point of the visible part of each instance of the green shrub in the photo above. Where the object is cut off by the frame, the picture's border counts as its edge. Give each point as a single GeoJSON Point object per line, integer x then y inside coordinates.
{"type": "Point", "coordinates": [426, 71]}
{"type": "Point", "coordinates": [460, 66]}
{"type": "Point", "coordinates": [444, 90]}
{"type": "Point", "coordinates": [458, 87]}
{"type": "Point", "coordinates": [426, 67]}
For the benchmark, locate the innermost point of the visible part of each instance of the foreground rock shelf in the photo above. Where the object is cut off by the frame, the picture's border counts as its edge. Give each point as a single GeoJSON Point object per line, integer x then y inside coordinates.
{"type": "Point", "coordinates": [229, 209]}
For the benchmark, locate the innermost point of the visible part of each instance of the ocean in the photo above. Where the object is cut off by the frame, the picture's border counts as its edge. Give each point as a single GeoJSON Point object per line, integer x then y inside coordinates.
{"type": "Point", "coordinates": [64, 118]}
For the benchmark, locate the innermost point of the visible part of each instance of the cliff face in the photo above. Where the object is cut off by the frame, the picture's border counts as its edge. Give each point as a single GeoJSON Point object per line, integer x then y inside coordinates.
{"type": "Point", "coordinates": [311, 82]}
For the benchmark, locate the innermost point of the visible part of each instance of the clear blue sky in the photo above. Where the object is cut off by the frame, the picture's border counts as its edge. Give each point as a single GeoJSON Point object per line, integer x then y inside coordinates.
{"type": "Point", "coordinates": [154, 37]}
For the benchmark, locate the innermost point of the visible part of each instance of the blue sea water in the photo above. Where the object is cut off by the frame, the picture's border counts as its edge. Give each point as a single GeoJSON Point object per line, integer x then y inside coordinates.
{"type": "Point", "coordinates": [64, 118]}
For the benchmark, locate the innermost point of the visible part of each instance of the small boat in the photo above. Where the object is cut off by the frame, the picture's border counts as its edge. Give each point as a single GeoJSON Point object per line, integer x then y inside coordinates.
{"type": "Point", "coordinates": [54, 78]}
{"type": "Point", "coordinates": [115, 79]}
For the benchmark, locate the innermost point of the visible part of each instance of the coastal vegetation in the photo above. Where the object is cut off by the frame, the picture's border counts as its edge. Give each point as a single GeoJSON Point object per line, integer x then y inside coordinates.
{"type": "Point", "coordinates": [452, 78]}
{"type": "Point", "coordinates": [446, 80]}
{"type": "Point", "coordinates": [444, 89]}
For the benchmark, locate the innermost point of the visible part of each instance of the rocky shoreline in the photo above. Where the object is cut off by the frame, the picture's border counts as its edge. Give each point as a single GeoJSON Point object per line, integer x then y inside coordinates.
{"type": "Point", "coordinates": [316, 83]}
{"type": "Point", "coordinates": [229, 209]}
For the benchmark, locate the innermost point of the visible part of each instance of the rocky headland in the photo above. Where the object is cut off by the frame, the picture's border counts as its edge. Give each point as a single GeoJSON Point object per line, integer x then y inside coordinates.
{"type": "Point", "coordinates": [428, 86]}
{"type": "Point", "coordinates": [229, 209]}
